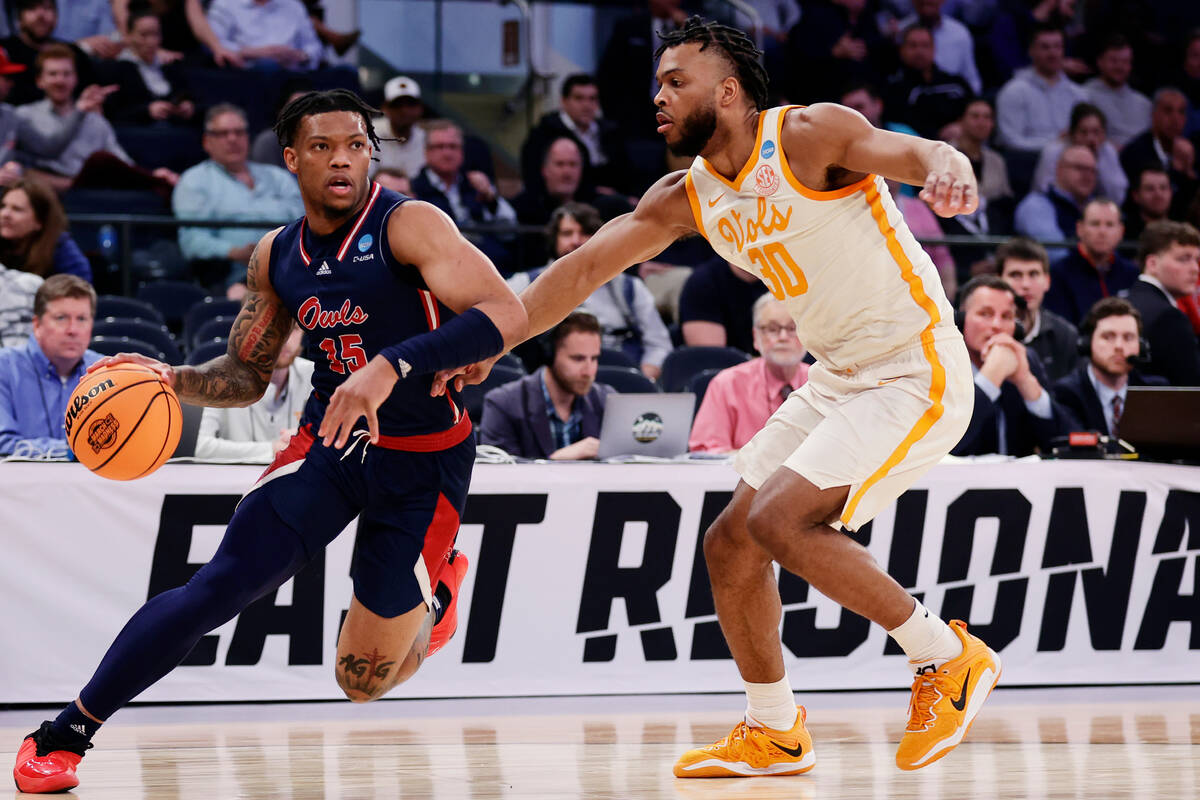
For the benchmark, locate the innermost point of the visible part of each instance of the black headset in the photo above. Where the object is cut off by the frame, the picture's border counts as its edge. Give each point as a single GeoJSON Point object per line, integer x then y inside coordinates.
{"type": "Point", "coordinates": [988, 282]}
{"type": "Point", "coordinates": [1087, 331]}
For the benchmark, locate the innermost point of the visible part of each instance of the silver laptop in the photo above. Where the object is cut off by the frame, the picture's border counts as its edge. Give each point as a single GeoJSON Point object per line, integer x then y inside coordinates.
{"type": "Point", "coordinates": [651, 424]}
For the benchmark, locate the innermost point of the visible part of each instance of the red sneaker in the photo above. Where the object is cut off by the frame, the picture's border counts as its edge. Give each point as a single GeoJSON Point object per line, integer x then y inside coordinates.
{"type": "Point", "coordinates": [452, 578]}
{"type": "Point", "coordinates": [45, 763]}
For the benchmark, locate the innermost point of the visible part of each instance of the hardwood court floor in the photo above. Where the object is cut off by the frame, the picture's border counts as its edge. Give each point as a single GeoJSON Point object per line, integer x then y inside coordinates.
{"type": "Point", "coordinates": [1100, 743]}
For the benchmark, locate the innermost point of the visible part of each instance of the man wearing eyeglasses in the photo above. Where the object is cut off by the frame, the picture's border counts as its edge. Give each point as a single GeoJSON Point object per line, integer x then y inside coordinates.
{"type": "Point", "coordinates": [740, 399]}
{"type": "Point", "coordinates": [230, 186]}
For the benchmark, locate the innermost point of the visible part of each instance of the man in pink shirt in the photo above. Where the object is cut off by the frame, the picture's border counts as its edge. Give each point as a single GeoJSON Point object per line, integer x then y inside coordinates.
{"type": "Point", "coordinates": [740, 399]}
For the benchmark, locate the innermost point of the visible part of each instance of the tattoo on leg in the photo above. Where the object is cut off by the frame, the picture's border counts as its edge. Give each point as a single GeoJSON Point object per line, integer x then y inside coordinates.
{"type": "Point", "coordinates": [360, 673]}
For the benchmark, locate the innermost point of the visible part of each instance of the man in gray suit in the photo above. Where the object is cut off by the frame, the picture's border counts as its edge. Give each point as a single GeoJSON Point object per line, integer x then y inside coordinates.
{"type": "Point", "coordinates": [554, 413]}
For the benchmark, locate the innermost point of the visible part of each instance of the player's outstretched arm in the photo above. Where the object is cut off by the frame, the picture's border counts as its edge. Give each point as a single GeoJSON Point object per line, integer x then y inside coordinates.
{"type": "Point", "coordinates": [239, 377]}
{"type": "Point", "coordinates": [850, 142]}
{"type": "Point", "coordinates": [490, 318]}
{"type": "Point", "coordinates": [662, 216]}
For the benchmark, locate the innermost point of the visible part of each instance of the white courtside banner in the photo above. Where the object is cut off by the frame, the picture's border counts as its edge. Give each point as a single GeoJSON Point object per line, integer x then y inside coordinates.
{"type": "Point", "coordinates": [585, 580]}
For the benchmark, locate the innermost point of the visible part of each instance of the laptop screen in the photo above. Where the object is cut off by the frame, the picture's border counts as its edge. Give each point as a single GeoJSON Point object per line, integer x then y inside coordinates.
{"type": "Point", "coordinates": [1163, 421]}
{"type": "Point", "coordinates": [651, 424]}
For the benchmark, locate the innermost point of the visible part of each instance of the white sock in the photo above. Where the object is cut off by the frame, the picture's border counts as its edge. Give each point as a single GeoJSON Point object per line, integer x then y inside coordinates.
{"type": "Point", "coordinates": [926, 639]}
{"type": "Point", "coordinates": [771, 705]}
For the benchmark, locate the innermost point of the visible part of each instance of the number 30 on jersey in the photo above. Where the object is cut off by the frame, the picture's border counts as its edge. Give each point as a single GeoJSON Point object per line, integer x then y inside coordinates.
{"type": "Point", "coordinates": [780, 269]}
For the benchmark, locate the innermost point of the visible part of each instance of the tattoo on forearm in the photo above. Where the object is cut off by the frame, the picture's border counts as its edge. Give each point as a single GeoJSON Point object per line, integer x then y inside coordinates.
{"type": "Point", "coordinates": [242, 374]}
{"type": "Point", "coordinates": [359, 674]}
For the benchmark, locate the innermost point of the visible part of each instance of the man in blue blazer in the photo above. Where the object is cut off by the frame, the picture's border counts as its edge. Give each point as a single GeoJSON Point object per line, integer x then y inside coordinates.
{"type": "Point", "coordinates": [556, 412]}
{"type": "Point", "coordinates": [1094, 393]}
{"type": "Point", "coordinates": [1014, 413]}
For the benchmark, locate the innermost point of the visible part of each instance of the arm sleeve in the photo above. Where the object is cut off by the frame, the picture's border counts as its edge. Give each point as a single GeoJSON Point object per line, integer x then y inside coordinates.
{"type": "Point", "coordinates": [70, 260]}
{"type": "Point", "coordinates": [191, 201]}
{"type": "Point", "coordinates": [656, 339]}
{"type": "Point", "coordinates": [498, 429]}
{"type": "Point", "coordinates": [712, 430]}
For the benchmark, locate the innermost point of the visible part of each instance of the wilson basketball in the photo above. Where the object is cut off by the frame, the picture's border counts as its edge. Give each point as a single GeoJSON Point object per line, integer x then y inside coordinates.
{"type": "Point", "coordinates": [123, 422]}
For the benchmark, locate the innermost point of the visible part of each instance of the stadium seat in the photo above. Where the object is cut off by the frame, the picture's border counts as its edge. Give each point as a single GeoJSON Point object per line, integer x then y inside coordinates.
{"type": "Point", "coordinates": [629, 380]}
{"type": "Point", "coordinates": [172, 298]}
{"type": "Point", "coordinates": [205, 310]}
{"type": "Point", "coordinates": [111, 305]}
{"type": "Point", "coordinates": [111, 345]}
{"type": "Point", "coordinates": [472, 396]}
{"type": "Point", "coordinates": [682, 364]}
{"type": "Point", "coordinates": [615, 358]}
{"type": "Point", "coordinates": [154, 333]}
{"type": "Point", "coordinates": [207, 351]}
{"type": "Point", "coordinates": [698, 385]}
{"type": "Point", "coordinates": [215, 328]}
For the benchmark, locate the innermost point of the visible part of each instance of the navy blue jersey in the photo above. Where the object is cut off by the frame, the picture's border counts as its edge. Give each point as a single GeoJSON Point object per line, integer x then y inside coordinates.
{"type": "Point", "coordinates": [353, 298]}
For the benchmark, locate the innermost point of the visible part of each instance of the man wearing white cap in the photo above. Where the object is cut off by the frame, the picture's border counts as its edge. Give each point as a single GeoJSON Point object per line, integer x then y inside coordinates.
{"type": "Point", "coordinates": [402, 141]}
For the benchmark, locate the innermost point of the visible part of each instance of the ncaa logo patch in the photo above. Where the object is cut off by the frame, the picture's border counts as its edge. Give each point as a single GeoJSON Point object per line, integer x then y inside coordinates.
{"type": "Point", "coordinates": [768, 149]}
{"type": "Point", "coordinates": [766, 181]}
{"type": "Point", "coordinates": [364, 242]}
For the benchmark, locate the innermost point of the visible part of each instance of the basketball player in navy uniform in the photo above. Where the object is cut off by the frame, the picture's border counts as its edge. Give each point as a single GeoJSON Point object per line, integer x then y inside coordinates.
{"type": "Point", "coordinates": [388, 293]}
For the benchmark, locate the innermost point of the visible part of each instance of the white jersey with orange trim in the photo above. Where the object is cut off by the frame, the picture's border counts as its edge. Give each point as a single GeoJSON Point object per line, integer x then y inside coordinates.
{"type": "Point", "coordinates": [845, 264]}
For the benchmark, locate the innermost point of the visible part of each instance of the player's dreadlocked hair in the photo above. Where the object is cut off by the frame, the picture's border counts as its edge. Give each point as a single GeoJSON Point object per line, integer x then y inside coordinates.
{"type": "Point", "coordinates": [736, 46]}
{"type": "Point", "coordinates": [311, 103]}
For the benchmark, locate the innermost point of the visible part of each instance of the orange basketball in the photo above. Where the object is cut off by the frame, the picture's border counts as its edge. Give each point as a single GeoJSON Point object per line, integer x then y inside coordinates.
{"type": "Point", "coordinates": [123, 422]}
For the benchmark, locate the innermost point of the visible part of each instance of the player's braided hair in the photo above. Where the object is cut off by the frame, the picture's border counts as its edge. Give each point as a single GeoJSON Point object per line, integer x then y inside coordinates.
{"type": "Point", "coordinates": [734, 44]}
{"type": "Point", "coordinates": [311, 103]}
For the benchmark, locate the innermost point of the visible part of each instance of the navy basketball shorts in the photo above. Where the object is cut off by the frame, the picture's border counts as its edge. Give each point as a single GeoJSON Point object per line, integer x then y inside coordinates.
{"type": "Point", "coordinates": [408, 503]}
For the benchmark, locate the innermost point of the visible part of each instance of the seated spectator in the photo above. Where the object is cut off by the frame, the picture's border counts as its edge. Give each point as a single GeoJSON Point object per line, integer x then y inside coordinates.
{"type": "Point", "coordinates": [267, 34]}
{"type": "Point", "coordinates": [33, 233]}
{"type": "Point", "coordinates": [624, 306]}
{"type": "Point", "coordinates": [394, 179]}
{"type": "Point", "coordinates": [919, 93]}
{"type": "Point", "coordinates": [1170, 256]}
{"type": "Point", "coordinates": [468, 196]}
{"type": "Point", "coordinates": [1150, 200]}
{"type": "Point", "coordinates": [606, 164]}
{"type": "Point", "coordinates": [1094, 392]}
{"type": "Point", "coordinates": [401, 137]}
{"type": "Point", "coordinates": [740, 399]}
{"type": "Point", "coordinates": [1164, 144]}
{"type": "Point", "coordinates": [256, 433]}
{"type": "Point", "coordinates": [1052, 215]}
{"type": "Point", "coordinates": [1035, 105]}
{"type": "Point", "coordinates": [1023, 264]}
{"type": "Point", "coordinates": [1014, 413]}
{"type": "Point", "coordinates": [974, 132]}
{"type": "Point", "coordinates": [837, 41]}
{"type": "Point", "coordinates": [36, 21]}
{"type": "Point", "coordinates": [716, 307]}
{"type": "Point", "coordinates": [36, 380]}
{"type": "Point", "coordinates": [1126, 109]}
{"type": "Point", "coordinates": [229, 186]}
{"type": "Point", "coordinates": [1088, 128]}
{"type": "Point", "coordinates": [561, 181]}
{"type": "Point", "coordinates": [556, 412]}
{"type": "Point", "coordinates": [17, 290]}
{"type": "Point", "coordinates": [62, 159]}
{"type": "Point", "coordinates": [185, 28]}
{"type": "Point", "coordinates": [151, 88]}
{"type": "Point", "coordinates": [865, 98]}
{"type": "Point", "coordinates": [265, 148]}
{"type": "Point", "coordinates": [951, 41]}
{"type": "Point", "coordinates": [1092, 269]}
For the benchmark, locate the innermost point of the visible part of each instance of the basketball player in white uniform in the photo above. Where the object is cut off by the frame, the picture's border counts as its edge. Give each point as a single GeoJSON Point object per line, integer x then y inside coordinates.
{"type": "Point", "coordinates": [797, 197]}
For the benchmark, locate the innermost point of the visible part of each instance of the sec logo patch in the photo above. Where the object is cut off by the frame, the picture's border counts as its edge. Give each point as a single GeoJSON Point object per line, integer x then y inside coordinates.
{"type": "Point", "coordinates": [766, 180]}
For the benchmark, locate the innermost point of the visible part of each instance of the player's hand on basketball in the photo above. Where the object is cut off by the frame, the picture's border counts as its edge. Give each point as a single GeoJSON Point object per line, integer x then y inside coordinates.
{"type": "Point", "coordinates": [360, 396]}
{"type": "Point", "coordinates": [462, 376]}
{"type": "Point", "coordinates": [951, 188]}
{"type": "Point", "coordinates": [165, 371]}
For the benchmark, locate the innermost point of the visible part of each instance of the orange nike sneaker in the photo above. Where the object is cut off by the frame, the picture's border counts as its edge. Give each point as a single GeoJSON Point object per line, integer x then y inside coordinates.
{"type": "Point", "coordinates": [945, 702]}
{"type": "Point", "coordinates": [45, 763]}
{"type": "Point", "coordinates": [750, 751]}
{"type": "Point", "coordinates": [452, 578]}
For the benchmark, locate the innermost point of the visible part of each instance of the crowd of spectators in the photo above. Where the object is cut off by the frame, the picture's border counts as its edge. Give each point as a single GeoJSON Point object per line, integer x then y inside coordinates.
{"type": "Point", "coordinates": [1080, 120]}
